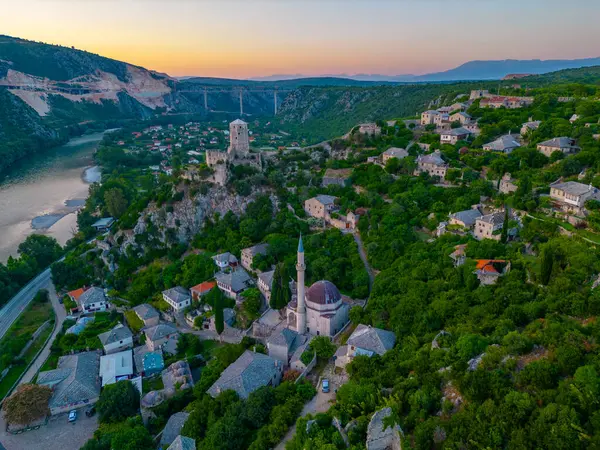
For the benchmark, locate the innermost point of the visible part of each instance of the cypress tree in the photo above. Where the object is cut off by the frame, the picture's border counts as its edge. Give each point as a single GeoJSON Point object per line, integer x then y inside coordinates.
{"type": "Point", "coordinates": [546, 265]}
{"type": "Point", "coordinates": [504, 235]}
{"type": "Point", "coordinates": [280, 292]}
{"type": "Point", "coordinates": [219, 321]}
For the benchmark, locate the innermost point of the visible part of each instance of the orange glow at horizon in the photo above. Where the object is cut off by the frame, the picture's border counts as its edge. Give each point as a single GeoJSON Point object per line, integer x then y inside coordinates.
{"type": "Point", "coordinates": [236, 39]}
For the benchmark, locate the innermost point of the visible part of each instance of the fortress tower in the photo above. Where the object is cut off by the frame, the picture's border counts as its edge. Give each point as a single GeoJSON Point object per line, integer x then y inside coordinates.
{"type": "Point", "coordinates": [239, 144]}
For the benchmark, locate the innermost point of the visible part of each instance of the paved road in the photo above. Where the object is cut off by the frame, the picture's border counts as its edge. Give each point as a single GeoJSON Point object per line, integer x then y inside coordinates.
{"type": "Point", "coordinates": [61, 314]}
{"type": "Point", "coordinates": [13, 309]}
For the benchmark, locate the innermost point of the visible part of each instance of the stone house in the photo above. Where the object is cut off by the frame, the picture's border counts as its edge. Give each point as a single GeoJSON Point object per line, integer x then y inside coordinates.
{"type": "Point", "coordinates": [559, 144]}
{"type": "Point", "coordinates": [265, 284]}
{"type": "Point", "coordinates": [504, 144]}
{"type": "Point", "coordinates": [427, 117]}
{"type": "Point", "coordinates": [393, 152]}
{"type": "Point", "coordinates": [116, 340]}
{"type": "Point", "coordinates": [200, 290]}
{"type": "Point", "coordinates": [365, 340]}
{"type": "Point", "coordinates": [283, 344]}
{"type": "Point", "coordinates": [182, 443]}
{"type": "Point", "coordinates": [173, 428]}
{"type": "Point", "coordinates": [75, 382]}
{"type": "Point", "coordinates": [459, 255]}
{"type": "Point", "coordinates": [177, 297]}
{"type": "Point", "coordinates": [147, 362]}
{"type": "Point", "coordinates": [249, 253]}
{"type": "Point", "coordinates": [232, 283]}
{"type": "Point", "coordinates": [465, 219]}
{"type": "Point", "coordinates": [487, 225]}
{"type": "Point", "coordinates": [225, 260]}
{"type": "Point", "coordinates": [92, 300]}
{"type": "Point", "coordinates": [320, 206]}
{"type": "Point", "coordinates": [433, 164]}
{"type": "Point", "coordinates": [532, 125]}
{"type": "Point", "coordinates": [159, 335]}
{"type": "Point", "coordinates": [454, 135]}
{"type": "Point", "coordinates": [479, 93]}
{"type": "Point", "coordinates": [147, 314]}
{"type": "Point", "coordinates": [461, 117]}
{"type": "Point", "coordinates": [572, 195]}
{"type": "Point", "coordinates": [248, 373]}
{"type": "Point", "coordinates": [507, 184]}
{"type": "Point", "coordinates": [489, 270]}
{"type": "Point", "coordinates": [370, 129]}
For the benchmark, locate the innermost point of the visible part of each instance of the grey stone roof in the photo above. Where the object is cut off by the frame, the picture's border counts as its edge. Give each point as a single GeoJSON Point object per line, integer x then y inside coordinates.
{"type": "Point", "coordinates": [574, 188]}
{"type": "Point", "coordinates": [226, 257]}
{"type": "Point", "coordinates": [372, 339]}
{"type": "Point", "coordinates": [285, 338]}
{"type": "Point", "coordinates": [326, 199]}
{"type": "Point", "coordinates": [182, 443]}
{"type": "Point", "coordinates": [173, 428]}
{"type": "Point", "coordinates": [160, 331]}
{"type": "Point", "coordinates": [267, 278]}
{"type": "Point", "coordinates": [118, 333]}
{"type": "Point", "coordinates": [434, 158]}
{"type": "Point", "coordinates": [75, 379]}
{"type": "Point", "coordinates": [457, 132]}
{"type": "Point", "coordinates": [503, 143]}
{"type": "Point", "coordinates": [559, 142]}
{"type": "Point", "coordinates": [468, 216]}
{"type": "Point", "coordinates": [258, 249]}
{"type": "Point", "coordinates": [494, 218]}
{"type": "Point", "coordinates": [533, 125]}
{"type": "Point", "coordinates": [237, 280]}
{"type": "Point", "coordinates": [177, 294]}
{"type": "Point", "coordinates": [248, 373]}
{"type": "Point", "coordinates": [92, 295]}
{"type": "Point", "coordinates": [395, 152]}
{"type": "Point", "coordinates": [145, 311]}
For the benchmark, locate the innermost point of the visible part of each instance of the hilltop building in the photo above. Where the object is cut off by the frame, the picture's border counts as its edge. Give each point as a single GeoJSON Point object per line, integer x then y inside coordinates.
{"type": "Point", "coordinates": [237, 153]}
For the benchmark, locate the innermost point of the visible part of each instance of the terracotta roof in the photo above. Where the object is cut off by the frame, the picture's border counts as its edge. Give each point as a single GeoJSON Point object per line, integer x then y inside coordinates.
{"type": "Point", "coordinates": [203, 287]}
{"type": "Point", "coordinates": [488, 265]}
{"type": "Point", "coordinates": [76, 293]}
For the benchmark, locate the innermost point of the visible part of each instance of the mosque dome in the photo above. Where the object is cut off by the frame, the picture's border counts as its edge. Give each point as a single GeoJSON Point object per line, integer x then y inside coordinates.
{"type": "Point", "coordinates": [323, 293]}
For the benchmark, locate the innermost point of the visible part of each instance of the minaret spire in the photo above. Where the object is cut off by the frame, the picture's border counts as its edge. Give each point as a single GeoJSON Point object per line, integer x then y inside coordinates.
{"type": "Point", "coordinates": [301, 307]}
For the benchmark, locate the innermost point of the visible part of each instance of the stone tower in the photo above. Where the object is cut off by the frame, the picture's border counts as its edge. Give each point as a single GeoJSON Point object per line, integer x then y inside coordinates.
{"type": "Point", "coordinates": [301, 307]}
{"type": "Point", "coordinates": [239, 144]}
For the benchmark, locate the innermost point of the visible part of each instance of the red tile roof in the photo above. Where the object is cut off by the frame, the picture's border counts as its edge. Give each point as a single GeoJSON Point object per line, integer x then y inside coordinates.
{"type": "Point", "coordinates": [487, 265]}
{"type": "Point", "coordinates": [76, 293]}
{"type": "Point", "coordinates": [204, 287]}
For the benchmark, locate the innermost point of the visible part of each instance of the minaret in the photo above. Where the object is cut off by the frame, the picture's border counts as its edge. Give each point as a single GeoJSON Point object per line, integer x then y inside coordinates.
{"type": "Point", "coordinates": [301, 307]}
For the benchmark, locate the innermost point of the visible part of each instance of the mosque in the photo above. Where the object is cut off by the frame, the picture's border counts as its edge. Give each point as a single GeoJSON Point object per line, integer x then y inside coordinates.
{"type": "Point", "coordinates": [318, 310]}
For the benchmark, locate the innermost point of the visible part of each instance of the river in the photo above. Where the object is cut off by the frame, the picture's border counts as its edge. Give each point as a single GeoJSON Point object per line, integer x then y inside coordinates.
{"type": "Point", "coordinates": [42, 193]}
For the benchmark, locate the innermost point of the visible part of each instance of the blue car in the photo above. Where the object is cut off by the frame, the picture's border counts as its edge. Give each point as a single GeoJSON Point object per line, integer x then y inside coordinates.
{"type": "Point", "coordinates": [325, 386]}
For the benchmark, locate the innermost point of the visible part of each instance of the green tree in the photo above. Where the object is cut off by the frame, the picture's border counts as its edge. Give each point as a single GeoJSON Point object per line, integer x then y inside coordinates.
{"type": "Point", "coordinates": [115, 201]}
{"type": "Point", "coordinates": [280, 291]}
{"type": "Point", "coordinates": [43, 249]}
{"type": "Point", "coordinates": [547, 264]}
{"type": "Point", "coordinates": [118, 401]}
{"type": "Point", "coordinates": [218, 308]}
{"type": "Point", "coordinates": [323, 346]}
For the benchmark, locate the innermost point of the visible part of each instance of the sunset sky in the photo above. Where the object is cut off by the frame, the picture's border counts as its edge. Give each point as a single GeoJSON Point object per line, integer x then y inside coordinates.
{"type": "Point", "coordinates": [238, 39]}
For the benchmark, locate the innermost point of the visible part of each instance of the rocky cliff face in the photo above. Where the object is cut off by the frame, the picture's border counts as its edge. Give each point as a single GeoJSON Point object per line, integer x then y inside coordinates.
{"type": "Point", "coordinates": [187, 217]}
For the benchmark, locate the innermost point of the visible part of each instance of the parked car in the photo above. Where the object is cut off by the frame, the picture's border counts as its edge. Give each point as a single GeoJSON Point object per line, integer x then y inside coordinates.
{"type": "Point", "coordinates": [90, 411]}
{"type": "Point", "coordinates": [325, 386]}
{"type": "Point", "coordinates": [72, 416]}
{"type": "Point", "coordinates": [60, 300]}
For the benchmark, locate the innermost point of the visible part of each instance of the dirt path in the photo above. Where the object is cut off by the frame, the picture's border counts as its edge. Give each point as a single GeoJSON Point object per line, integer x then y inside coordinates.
{"type": "Point", "coordinates": [363, 255]}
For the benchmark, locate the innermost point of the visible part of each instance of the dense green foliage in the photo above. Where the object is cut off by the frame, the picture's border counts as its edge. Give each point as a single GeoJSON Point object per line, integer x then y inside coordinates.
{"type": "Point", "coordinates": [118, 402]}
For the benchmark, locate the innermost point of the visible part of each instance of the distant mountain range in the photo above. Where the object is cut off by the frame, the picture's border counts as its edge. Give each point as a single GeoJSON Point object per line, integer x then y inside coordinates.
{"type": "Point", "coordinates": [469, 71]}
